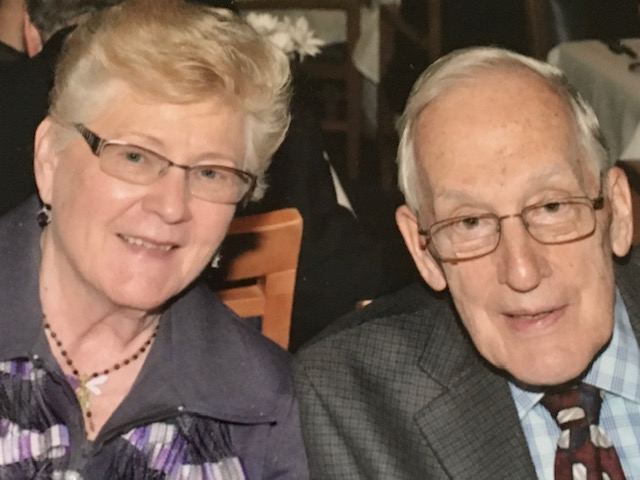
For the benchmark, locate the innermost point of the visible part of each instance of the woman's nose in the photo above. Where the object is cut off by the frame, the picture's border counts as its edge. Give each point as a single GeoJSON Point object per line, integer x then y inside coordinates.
{"type": "Point", "coordinates": [169, 196]}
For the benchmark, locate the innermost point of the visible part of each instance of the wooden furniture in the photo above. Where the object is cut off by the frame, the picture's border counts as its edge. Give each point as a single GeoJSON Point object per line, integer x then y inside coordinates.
{"type": "Point", "coordinates": [632, 169]}
{"type": "Point", "coordinates": [430, 40]}
{"type": "Point", "coordinates": [539, 27]}
{"type": "Point", "coordinates": [327, 68]}
{"type": "Point", "coordinates": [261, 269]}
{"type": "Point", "coordinates": [537, 13]}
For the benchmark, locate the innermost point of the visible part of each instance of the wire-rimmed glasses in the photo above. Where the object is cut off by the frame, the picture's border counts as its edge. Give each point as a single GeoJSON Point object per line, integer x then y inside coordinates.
{"type": "Point", "coordinates": [140, 166]}
{"type": "Point", "coordinates": [554, 222]}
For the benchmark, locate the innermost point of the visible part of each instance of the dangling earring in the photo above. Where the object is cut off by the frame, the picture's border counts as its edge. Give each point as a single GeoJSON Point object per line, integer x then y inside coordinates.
{"type": "Point", "coordinates": [44, 215]}
{"type": "Point", "coordinates": [215, 261]}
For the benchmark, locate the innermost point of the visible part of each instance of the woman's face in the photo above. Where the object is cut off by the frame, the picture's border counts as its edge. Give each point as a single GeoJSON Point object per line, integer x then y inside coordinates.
{"type": "Point", "coordinates": [135, 246]}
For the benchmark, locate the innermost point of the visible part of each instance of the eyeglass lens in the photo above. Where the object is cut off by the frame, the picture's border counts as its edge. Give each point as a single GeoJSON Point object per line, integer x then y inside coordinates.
{"type": "Point", "coordinates": [215, 183]}
{"type": "Point", "coordinates": [552, 223]}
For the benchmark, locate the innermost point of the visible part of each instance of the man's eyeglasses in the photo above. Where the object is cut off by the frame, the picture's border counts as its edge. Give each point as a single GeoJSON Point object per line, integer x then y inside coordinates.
{"type": "Point", "coordinates": [551, 223]}
{"type": "Point", "coordinates": [137, 165]}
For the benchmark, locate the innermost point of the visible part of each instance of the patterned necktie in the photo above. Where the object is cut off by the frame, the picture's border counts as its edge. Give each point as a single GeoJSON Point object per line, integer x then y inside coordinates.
{"type": "Point", "coordinates": [584, 451]}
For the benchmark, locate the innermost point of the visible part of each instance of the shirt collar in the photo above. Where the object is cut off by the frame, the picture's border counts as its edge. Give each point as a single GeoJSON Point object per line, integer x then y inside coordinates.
{"type": "Point", "coordinates": [616, 370]}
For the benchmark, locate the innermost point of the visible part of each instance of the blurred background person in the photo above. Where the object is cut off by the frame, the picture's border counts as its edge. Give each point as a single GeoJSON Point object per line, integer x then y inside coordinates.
{"type": "Point", "coordinates": [115, 360]}
{"type": "Point", "coordinates": [25, 85]}
{"type": "Point", "coordinates": [11, 30]}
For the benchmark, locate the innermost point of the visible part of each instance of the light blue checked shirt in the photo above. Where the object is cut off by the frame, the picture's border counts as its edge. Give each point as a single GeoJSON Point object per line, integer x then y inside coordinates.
{"type": "Point", "coordinates": [616, 371]}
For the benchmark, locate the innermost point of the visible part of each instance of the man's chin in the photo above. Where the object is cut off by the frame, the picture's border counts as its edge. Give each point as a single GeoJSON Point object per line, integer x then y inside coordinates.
{"type": "Point", "coordinates": [558, 375]}
{"type": "Point", "coordinates": [544, 381]}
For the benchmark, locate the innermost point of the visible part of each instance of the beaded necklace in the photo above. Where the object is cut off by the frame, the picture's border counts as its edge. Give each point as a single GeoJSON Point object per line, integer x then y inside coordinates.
{"type": "Point", "coordinates": [85, 385]}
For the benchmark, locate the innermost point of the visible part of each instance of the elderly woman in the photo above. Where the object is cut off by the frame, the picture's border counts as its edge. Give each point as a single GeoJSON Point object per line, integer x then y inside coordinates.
{"type": "Point", "coordinates": [114, 361]}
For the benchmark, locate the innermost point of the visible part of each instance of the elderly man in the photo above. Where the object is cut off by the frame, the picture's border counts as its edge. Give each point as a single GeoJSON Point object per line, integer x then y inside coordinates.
{"type": "Point", "coordinates": [514, 208]}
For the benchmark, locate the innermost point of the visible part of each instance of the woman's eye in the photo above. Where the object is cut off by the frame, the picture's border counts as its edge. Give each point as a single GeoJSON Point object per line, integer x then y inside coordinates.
{"type": "Point", "coordinates": [134, 157]}
{"type": "Point", "coordinates": [209, 173]}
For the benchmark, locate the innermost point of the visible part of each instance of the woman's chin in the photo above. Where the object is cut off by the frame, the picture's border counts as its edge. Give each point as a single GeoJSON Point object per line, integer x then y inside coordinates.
{"type": "Point", "coordinates": [146, 300]}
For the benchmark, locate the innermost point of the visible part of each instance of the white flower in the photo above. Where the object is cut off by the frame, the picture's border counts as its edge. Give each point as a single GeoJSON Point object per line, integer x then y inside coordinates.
{"type": "Point", "coordinates": [263, 23]}
{"type": "Point", "coordinates": [283, 41]}
{"type": "Point", "coordinates": [293, 38]}
{"type": "Point", "coordinates": [305, 39]}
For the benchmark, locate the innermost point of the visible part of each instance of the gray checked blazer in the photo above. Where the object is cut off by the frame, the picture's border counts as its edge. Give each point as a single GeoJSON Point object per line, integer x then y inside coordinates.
{"type": "Point", "coordinates": [397, 391]}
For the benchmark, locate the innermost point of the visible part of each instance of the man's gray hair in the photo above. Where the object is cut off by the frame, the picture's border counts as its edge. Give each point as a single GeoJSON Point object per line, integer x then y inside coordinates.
{"type": "Point", "coordinates": [463, 66]}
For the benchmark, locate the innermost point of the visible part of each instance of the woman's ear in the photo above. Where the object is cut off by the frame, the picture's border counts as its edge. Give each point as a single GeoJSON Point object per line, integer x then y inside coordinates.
{"type": "Point", "coordinates": [45, 158]}
{"type": "Point", "coordinates": [619, 196]}
{"type": "Point", "coordinates": [428, 267]}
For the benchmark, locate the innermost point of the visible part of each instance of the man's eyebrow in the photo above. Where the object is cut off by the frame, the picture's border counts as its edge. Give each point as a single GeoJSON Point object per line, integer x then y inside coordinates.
{"type": "Point", "coordinates": [551, 174]}
{"type": "Point", "coordinates": [455, 195]}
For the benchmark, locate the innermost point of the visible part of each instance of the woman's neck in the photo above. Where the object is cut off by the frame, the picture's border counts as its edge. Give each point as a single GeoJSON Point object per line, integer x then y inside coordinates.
{"type": "Point", "coordinates": [77, 309]}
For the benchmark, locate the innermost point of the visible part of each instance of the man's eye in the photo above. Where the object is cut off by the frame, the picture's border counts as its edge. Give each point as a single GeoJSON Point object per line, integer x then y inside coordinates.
{"type": "Point", "coordinates": [552, 207]}
{"type": "Point", "coordinates": [469, 222]}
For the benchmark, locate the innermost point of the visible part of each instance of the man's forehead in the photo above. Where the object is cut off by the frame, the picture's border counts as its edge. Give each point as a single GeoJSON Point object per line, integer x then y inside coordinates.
{"type": "Point", "coordinates": [499, 87]}
{"type": "Point", "coordinates": [497, 127]}
{"type": "Point", "coordinates": [496, 106]}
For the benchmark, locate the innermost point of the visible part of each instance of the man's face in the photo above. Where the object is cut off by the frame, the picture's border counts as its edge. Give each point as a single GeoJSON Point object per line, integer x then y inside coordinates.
{"type": "Point", "coordinates": [496, 145]}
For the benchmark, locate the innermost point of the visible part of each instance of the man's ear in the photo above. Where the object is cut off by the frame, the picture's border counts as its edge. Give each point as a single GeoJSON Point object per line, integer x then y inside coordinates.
{"type": "Point", "coordinates": [428, 267]}
{"type": "Point", "coordinates": [45, 158]}
{"type": "Point", "coordinates": [619, 196]}
{"type": "Point", "coordinates": [32, 39]}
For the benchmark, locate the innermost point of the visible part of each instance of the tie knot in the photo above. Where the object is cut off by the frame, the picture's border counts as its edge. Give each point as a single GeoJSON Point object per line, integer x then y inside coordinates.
{"type": "Point", "coordinates": [577, 407]}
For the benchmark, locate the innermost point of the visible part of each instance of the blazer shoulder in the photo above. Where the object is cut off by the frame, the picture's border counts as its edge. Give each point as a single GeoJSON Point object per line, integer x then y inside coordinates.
{"type": "Point", "coordinates": [397, 325]}
{"type": "Point", "coordinates": [406, 301]}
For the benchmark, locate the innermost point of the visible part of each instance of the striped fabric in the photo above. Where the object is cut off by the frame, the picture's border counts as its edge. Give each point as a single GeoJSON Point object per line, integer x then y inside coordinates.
{"type": "Point", "coordinates": [167, 451]}
{"type": "Point", "coordinates": [35, 442]}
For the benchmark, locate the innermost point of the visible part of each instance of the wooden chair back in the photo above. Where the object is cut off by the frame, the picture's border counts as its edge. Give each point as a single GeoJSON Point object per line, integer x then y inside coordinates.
{"type": "Point", "coordinates": [260, 279]}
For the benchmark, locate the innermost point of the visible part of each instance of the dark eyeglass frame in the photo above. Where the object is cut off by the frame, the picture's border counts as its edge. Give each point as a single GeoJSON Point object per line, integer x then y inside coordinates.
{"type": "Point", "coordinates": [596, 204]}
{"type": "Point", "coordinates": [97, 144]}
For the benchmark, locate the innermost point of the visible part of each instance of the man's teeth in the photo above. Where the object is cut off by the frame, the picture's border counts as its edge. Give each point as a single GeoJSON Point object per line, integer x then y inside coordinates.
{"type": "Point", "coordinates": [141, 243]}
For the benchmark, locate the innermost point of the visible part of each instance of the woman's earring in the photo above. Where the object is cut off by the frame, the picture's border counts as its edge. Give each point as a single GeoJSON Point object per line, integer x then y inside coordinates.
{"type": "Point", "coordinates": [215, 261]}
{"type": "Point", "coordinates": [44, 215]}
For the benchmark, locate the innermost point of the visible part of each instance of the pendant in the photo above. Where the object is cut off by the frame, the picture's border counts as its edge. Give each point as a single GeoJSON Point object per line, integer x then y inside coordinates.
{"type": "Point", "coordinates": [87, 387]}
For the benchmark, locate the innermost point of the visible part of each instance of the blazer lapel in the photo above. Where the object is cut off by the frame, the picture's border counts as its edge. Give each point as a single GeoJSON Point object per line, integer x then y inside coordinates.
{"type": "Point", "coordinates": [473, 426]}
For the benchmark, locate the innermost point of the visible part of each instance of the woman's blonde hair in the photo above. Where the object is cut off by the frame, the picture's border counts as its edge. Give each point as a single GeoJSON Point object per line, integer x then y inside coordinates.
{"type": "Point", "coordinates": [178, 52]}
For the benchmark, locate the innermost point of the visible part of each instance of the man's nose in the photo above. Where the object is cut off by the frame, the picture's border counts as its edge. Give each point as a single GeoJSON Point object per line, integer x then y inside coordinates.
{"type": "Point", "coordinates": [521, 259]}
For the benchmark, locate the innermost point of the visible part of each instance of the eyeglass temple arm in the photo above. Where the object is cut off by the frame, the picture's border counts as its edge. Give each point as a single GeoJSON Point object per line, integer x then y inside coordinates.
{"type": "Point", "coordinates": [598, 203]}
{"type": "Point", "coordinates": [95, 142]}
